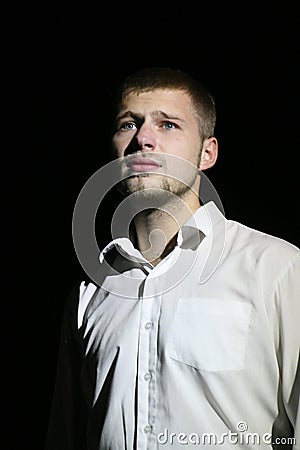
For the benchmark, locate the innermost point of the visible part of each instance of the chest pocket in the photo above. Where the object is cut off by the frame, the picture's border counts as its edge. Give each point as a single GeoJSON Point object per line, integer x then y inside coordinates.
{"type": "Point", "coordinates": [210, 334]}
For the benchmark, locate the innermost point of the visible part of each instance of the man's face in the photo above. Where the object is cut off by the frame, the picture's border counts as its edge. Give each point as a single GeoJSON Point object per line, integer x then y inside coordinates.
{"type": "Point", "coordinates": [157, 131]}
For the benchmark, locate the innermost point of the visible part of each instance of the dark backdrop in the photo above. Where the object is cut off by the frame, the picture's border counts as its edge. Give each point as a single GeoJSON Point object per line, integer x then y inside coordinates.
{"type": "Point", "coordinates": [63, 62]}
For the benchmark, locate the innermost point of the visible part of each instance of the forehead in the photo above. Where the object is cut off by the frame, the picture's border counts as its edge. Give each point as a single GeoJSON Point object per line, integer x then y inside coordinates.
{"type": "Point", "coordinates": [169, 100]}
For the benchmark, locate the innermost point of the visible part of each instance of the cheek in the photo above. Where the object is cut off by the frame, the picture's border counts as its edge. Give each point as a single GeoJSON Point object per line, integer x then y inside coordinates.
{"type": "Point", "coordinates": [185, 147]}
{"type": "Point", "coordinates": [194, 145]}
{"type": "Point", "coordinates": [118, 146]}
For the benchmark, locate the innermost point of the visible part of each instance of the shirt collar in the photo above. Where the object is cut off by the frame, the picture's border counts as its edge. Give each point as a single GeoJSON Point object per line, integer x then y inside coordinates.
{"type": "Point", "coordinates": [198, 226]}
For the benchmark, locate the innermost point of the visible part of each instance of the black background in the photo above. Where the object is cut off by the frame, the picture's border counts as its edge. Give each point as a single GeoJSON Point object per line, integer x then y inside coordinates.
{"type": "Point", "coordinates": [62, 62]}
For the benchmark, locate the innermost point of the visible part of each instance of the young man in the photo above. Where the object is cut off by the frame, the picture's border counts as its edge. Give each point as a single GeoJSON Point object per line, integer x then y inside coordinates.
{"type": "Point", "coordinates": [191, 336]}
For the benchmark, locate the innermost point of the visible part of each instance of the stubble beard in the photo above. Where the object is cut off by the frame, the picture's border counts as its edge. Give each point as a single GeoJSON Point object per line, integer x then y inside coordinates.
{"type": "Point", "coordinates": [150, 186]}
{"type": "Point", "coordinates": [157, 187]}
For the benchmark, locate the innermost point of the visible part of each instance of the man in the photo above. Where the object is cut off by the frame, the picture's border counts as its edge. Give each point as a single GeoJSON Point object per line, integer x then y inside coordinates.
{"type": "Point", "coordinates": [190, 334]}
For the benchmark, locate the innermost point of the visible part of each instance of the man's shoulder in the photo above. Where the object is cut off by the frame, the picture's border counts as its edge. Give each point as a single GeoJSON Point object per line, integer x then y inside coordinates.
{"type": "Point", "coordinates": [259, 244]}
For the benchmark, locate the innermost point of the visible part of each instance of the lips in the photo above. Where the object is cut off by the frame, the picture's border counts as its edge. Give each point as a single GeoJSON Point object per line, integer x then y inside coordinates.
{"type": "Point", "coordinates": [143, 164]}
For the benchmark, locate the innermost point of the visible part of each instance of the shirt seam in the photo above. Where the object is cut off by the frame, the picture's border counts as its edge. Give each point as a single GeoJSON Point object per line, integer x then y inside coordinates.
{"type": "Point", "coordinates": [283, 272]}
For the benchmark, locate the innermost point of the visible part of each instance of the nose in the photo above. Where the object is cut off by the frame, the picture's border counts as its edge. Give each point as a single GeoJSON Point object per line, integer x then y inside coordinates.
{"type": "Point", "coordinates": [145, 138]}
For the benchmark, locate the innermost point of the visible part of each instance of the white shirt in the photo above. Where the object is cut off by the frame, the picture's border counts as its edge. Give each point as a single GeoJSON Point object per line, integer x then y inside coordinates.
{"type": "Point", "coordinates": [201, 350]}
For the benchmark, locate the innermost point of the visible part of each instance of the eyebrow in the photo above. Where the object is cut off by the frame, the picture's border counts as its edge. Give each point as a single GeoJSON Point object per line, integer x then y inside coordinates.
{"type": "Point", "coordinates": [157, 114]}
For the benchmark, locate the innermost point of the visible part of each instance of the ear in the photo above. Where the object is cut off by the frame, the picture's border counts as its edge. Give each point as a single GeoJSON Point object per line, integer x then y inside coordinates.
{"type": "Point", "coordinates": [209, 153]}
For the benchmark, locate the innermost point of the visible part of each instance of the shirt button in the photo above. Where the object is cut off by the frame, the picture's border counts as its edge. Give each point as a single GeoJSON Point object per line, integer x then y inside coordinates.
{"type": "Point", "coordinates": [147, 376]}
{"type": "Point", "coordinates": [148, 325]}
{"type": "Point", "coordinates": [147, 429]}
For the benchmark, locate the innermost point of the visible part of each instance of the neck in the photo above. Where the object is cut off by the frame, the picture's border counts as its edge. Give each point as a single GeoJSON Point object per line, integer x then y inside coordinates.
{"type": "Point", "coordinates": [156, 229]}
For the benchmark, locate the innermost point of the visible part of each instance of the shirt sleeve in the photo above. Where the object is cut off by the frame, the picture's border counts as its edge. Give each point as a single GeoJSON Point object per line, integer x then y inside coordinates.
{"type": "Point", "coordinates": [287, 301]}
{"type": "Point", "coordinates": [68, 415]}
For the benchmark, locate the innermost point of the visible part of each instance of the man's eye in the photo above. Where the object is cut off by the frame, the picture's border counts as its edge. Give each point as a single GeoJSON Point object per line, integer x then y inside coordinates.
{"type": "Point", "coordinates": [169, 125]}
{"type": "Point", "coordinates": [127, 126]}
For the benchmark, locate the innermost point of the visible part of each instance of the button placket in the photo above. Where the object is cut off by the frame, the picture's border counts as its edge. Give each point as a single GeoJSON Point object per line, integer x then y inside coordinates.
{"type": "Point", "coordinates": [144, 428]}
{"type": "Point", "coordinates": [146, 407]}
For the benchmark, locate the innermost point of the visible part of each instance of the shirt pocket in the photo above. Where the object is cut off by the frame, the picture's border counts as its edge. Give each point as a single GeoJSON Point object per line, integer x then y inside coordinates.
{"type": "Point", "coordinates": [210, 334]}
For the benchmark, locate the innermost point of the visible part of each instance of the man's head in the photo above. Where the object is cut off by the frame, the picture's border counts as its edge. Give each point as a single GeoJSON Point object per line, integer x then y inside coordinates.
{"type": "Point", "coordinates": [152, 78]}
{"type": "Point", "coordinates": [163, 113]}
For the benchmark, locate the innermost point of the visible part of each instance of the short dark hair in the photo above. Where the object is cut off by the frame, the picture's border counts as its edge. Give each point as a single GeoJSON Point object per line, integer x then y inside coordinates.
{"type": "Point", "coordinates": [152, 78]}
